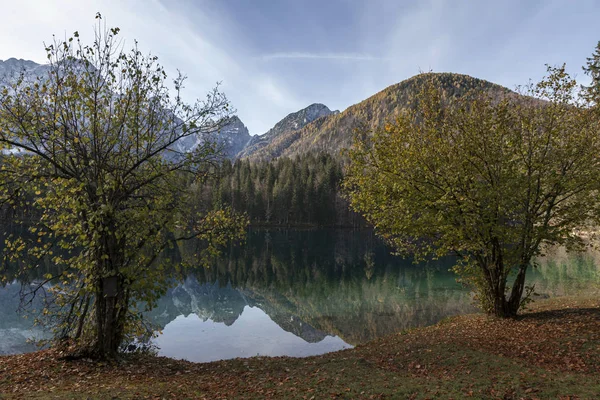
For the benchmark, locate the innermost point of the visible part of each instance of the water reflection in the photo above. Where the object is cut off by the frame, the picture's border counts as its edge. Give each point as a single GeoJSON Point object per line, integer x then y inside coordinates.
{"type": "Point", "coordinates": [253, 333]}
{"type": "Point", "coordinates": [17, 334]}
{"type": "Point", "coordinates": [308, 292]}
{"type": "Point", "coordinates": [314, 285]}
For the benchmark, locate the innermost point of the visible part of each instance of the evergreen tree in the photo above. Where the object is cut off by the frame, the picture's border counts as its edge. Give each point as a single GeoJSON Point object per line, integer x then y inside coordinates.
{"type": "Point", "coordinates": [592, 69]}
{"type": "Point", "coordinates": [284, 191]}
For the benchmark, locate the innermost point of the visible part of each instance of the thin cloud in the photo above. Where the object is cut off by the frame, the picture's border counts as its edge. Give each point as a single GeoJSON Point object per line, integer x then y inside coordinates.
{"type": "Point", "coordinates": [321, 56]}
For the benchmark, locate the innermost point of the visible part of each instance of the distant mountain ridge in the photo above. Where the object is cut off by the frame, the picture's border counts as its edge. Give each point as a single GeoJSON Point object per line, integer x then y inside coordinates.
{"type": "Point", "coordinates": [231, 138]}
{"type": "Point", "coordinates": [335, 131]}
{"type": "Point", "coordinates": [13, 67]}
{"type": "Point", "coordinates": [315, 128]}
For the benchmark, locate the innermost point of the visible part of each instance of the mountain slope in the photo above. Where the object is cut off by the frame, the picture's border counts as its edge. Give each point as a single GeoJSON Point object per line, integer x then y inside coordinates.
{"type": "Point", "coordinates": [12, 68]}
{"type": "Point", "coordinates": [334, 132]}
{"type": "Point", "coordinates": [291, 123]}
{"type": "Point", "coordinates": [231, 138]}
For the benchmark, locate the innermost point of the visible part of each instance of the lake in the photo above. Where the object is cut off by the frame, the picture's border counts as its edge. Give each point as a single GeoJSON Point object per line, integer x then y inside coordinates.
{"type": "Point", "coordinates": [307, 292]}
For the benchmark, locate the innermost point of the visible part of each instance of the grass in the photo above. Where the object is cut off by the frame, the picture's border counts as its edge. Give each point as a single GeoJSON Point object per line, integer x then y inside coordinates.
{"type": "Point", "coordinates": [551, 352]}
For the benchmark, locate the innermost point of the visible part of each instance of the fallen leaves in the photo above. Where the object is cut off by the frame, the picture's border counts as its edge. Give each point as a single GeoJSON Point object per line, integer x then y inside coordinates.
{"type": "Point", "coordinates": [550, 353]}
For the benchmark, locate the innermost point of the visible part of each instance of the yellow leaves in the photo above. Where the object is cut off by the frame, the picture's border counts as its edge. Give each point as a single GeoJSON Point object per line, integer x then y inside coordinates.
{"type": "Point", "coordinates": [461, 174]}
{"type": "Point", "coordinates": [115, 193]}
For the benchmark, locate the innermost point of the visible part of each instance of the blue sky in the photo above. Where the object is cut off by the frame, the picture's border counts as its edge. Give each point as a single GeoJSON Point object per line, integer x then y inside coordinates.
{"type": "Point", "coordinates": [276, 57]}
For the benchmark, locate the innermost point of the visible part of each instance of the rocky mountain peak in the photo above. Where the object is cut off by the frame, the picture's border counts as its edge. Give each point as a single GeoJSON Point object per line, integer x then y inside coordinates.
{"type": "Point", "coordinates": [233, 136]}
{"type": "Point", "coordinates": [292, 122]}
{"type": "Point", "coordinates": [299, 119]}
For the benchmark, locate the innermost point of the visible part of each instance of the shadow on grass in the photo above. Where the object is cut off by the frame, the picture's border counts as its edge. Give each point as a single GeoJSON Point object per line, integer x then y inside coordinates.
{"type": "Point", "coordinates": [588, 313]}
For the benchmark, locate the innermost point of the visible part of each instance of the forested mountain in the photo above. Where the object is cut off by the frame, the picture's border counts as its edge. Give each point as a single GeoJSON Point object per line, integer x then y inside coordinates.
{"type": "Point", "coordinates": [313, 129]}
{"type": "Point", "coordinates": [291, 174]}
{"type": "Point", "coordinates": [334, 132]}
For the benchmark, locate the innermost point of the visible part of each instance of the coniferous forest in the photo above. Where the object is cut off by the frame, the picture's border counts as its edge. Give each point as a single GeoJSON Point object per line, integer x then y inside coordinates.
{"type": "Point", "coordinates": [300, 191]}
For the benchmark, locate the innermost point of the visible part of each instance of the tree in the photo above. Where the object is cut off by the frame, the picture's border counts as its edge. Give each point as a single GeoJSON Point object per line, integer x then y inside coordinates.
{"type": "Point", "coordinates": [592, 69]}
{"type": "Point", "coordinates": [100, 163]}
{"type": "Point", "coordinates": [489, 179]}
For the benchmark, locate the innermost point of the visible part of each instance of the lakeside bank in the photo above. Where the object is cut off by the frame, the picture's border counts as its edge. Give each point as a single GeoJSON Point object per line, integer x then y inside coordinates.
{"type": "Point", "coordinates": [551, 351]}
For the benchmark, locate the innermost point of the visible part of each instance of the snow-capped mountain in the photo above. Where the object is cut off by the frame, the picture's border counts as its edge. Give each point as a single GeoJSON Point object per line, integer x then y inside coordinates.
{"type": "Point", "coordinates": [231, 138]}
{"type": "Point", "coordinates": [12, 68]}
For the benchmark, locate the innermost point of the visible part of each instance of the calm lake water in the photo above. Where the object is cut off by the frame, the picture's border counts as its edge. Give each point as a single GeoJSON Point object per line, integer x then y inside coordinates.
{"type": "Point", "coordinates": [301, 293]}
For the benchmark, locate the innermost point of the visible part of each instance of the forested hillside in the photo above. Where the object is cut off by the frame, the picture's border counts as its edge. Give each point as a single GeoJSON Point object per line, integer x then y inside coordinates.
{"type": "Point", "coordinates": [334, 132]}
{"type": "Point", "coordinates": [291, 175]}
{"type": "Point", "coordinates": [287, 191]}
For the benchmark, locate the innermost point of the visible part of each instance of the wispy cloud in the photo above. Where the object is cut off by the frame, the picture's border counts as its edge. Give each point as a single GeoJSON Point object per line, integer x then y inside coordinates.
{"type": "Point", "coordinates": [321, 56]}
{"type": "Point", "coordinates": [272, 60]}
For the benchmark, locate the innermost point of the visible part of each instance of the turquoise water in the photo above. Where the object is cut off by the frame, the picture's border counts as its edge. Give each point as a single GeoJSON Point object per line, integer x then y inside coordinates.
{"type": "Point", "coordinates": [299, 293]}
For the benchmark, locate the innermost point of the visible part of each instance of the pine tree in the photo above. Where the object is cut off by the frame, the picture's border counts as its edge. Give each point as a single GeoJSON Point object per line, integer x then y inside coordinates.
{"type": "Point", "coordinates": [592, 69]}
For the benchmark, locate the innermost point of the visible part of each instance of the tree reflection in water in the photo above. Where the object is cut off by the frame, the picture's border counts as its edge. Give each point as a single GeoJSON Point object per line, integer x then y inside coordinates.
{"type": "Point", "coordinates": [323, 286]}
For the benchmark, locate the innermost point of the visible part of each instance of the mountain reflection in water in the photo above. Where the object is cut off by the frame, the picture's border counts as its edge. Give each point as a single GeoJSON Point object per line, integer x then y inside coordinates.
{"type": "Point", "coordinates": [253, 333]}
{"type": "Point", "coordinates": [298, 293]}
{"type": "Point", "coordinates": [330, 288]}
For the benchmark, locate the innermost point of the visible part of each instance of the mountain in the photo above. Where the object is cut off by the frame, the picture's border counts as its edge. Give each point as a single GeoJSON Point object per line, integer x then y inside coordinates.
{"type": "Point", "coordinates": [225, 304]}
{"type": "Point", "coordinates": [231, 138]}
{"type": "Point", "coordinates": [12, 68]}
{"type": "Point", "coordinates": [334, 131]}
{"type": "Point", "coordinates": [207, 300]}
{"type": "Point", "coordinates": [291, 123]}
{"type": "Point", "coordinates": [315, 128]}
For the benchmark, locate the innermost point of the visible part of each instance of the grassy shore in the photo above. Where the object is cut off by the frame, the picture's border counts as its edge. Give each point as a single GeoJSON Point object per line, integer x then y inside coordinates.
{"type": "Point", "coordinates": [550, 352]}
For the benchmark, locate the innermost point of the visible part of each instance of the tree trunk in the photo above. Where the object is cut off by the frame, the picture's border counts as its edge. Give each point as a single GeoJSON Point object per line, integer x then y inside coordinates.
{"type": "Point", "coordinates": [496, 279]}
{"type": "Point", "coordinates": [514, 302]}
{"type": "Point", "coordinates": [508, 308]}
{"type": "Point", "coordinates": [109, 327]}
{"type": "Point", "coordinates": [109, 296]}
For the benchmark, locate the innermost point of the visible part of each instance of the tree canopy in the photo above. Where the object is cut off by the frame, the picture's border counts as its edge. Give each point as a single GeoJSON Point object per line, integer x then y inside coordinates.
{"type": "Point", "coordinates": [91, 150]}
{"type": "Point", "coordinates": [488, 178]}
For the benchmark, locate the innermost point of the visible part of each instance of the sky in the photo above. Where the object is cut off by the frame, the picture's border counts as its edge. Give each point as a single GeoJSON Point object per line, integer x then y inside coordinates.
{"type": "Point", "coordinates": [274, 57]}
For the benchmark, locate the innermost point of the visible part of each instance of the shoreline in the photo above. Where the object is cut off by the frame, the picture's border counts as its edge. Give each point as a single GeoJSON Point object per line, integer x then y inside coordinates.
{"type": "Point", "coordinates": [548, 352]}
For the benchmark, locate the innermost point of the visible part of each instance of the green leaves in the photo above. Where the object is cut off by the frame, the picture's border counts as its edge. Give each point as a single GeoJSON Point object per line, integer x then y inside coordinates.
{"type": "Point", "coordinates": [101, 174]}
{"type": "Point", "coordinates": [487, 178]}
